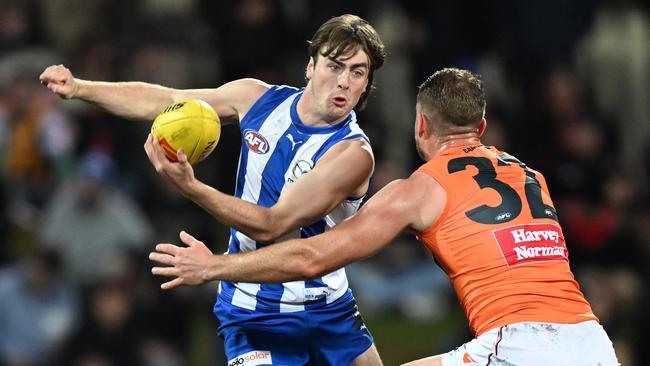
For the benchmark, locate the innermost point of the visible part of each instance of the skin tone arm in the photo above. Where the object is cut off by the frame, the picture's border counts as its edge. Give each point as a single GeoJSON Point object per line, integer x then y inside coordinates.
{"type": "Point", "coordinates": [144, 101]}
{"type": "Point", "coordinates": [413, 204]}
{"type": "Point", "coordinates": [330, 183]}
{"type": "Point", "coordinates": [343, 171]}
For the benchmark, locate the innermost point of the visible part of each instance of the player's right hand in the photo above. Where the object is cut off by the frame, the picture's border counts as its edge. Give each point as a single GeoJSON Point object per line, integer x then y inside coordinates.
{"type": "Point", "coordinates": [59, 79]}
{"type": "Point", "coordinates": [188, 264]}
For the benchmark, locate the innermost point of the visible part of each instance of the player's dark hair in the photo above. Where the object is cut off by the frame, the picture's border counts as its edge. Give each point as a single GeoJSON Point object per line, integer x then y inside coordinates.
{"type": "Point", "coordinates": [342, 35]}
{"type": "Point", "coordinates": [456, 94]}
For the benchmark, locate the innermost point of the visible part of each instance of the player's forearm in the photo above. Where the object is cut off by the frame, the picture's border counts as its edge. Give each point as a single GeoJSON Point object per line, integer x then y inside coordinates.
{"type": "Point", "coordinates": [132, 100]}
{"type": "Point", "coordinates": [288, 261]}
{"type": "Point", "coordinates": [252, 220]}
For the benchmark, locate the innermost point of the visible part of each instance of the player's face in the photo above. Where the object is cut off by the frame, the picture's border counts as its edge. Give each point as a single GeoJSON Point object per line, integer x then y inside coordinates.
{"type": "Point", "coordinates": [338, 84]}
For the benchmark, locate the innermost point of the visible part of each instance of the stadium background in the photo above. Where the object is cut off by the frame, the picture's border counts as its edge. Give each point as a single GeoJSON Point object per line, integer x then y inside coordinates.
{"type": "Point", "coordinates": [568, 86]}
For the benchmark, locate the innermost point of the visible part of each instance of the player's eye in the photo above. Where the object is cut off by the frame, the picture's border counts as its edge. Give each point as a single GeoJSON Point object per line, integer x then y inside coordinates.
{"type": "Point", "coordinates": [359, 73]}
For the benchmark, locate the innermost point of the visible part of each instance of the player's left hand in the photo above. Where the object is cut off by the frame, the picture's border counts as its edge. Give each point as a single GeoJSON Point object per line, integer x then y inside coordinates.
{"type": "Point", "coordinates": [189, 265]}
{"type": "Point", "coordinates": [180, 173]}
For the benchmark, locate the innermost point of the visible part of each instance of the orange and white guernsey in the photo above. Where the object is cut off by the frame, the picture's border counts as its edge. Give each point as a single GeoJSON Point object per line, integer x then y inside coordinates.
{"type": "Point", "coordinates": [499, 240]}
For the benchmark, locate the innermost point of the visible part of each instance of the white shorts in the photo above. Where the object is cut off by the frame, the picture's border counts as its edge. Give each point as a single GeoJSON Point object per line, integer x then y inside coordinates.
{"type": "Point", "coordinates": [533, 344]}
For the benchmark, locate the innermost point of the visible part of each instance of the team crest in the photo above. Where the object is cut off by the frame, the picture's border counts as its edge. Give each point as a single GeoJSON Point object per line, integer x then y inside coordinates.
{"type": "Point", "coordinates": [256, 142]}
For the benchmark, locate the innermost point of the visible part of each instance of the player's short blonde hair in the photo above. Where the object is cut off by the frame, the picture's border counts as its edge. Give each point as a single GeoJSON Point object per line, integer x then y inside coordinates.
{"type": "Point", "coordinates": [456, 94]}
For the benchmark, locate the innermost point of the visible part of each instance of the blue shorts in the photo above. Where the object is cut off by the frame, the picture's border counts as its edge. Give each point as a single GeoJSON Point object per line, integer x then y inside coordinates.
{"type": "Point", "coordinates": [333, 334]}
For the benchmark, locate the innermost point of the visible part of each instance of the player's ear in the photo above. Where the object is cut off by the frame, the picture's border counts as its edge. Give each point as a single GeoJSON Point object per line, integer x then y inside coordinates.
{"type": "Point", "coordinates": [481, 127]}
{"type": "Point", "coordinates": [423, 128]}
{"type": "Point", "coordinates": [310, 69]}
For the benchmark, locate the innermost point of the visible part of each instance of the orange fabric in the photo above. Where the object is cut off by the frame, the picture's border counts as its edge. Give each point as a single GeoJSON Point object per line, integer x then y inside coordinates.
{"type": "Point", "coordinates": [505, 256]}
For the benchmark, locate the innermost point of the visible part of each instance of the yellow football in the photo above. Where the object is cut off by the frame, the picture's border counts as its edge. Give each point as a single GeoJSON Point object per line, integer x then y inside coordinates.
{"type": "Point", "coordinates": [192, 126]}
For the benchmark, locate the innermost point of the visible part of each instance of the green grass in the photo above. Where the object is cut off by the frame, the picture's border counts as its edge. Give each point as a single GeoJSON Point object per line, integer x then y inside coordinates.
{"type": "Point", "coordinates": [400, 340]}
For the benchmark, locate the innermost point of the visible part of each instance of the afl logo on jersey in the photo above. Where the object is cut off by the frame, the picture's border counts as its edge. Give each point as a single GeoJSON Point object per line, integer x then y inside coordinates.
{"type": "Point", "coordinates": [256, 142]}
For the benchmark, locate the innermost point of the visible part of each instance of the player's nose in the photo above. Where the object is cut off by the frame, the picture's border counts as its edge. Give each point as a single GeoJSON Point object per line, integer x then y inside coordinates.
{"type": "Point", "coordinates": [343, 80]}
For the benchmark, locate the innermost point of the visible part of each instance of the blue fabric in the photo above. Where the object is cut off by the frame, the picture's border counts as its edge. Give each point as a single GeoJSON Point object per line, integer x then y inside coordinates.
{"type": "Point", "coordinates": [333, 334]}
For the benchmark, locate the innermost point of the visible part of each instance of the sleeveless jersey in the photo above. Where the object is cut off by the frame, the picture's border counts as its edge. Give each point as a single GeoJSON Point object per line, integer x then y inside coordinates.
{"type": "Point", "coordinates": [277, 148]}
{"type": "Point", "coordinates": [500, 242]}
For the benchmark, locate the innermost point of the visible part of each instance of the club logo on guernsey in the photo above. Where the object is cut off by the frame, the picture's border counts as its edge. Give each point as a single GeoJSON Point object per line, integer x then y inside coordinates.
{"type": "Point", "coordinates": [299, 168]}
{"type": "Point", "coordinates": [256, 142]}
{"type": "Point", "coordinates": [522, 244]}
{"type": "Point", "coordinates": [252, 358]}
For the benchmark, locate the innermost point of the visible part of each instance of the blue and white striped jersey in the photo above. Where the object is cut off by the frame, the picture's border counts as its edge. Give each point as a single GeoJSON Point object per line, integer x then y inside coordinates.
{"type": "Point", "coordinates": [277, 148]}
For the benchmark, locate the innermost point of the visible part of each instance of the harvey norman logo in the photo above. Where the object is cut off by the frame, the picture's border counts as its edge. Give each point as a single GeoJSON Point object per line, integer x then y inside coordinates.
{"type": "Point", "coordinates": [252, 358]}
{"type": "Point", "coordinates": [522, 244]}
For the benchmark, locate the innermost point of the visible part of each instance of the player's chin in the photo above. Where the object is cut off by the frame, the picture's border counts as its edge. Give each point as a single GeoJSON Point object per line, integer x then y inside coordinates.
{"type": "Point", "coordinates": [339, 111]}
{"type": "Point", "coordinates": [336, 116]}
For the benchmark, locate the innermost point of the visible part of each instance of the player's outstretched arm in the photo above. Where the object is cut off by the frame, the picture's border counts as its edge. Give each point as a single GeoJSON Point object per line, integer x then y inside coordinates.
{"type": "Point", "coordinates": [414, 203]}
{"type": "Point", "coordinates": [144, 101]}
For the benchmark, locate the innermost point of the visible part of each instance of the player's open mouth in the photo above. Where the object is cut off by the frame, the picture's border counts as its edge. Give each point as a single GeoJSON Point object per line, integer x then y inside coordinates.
{"type": "Point", "coordinates": [340, 101]}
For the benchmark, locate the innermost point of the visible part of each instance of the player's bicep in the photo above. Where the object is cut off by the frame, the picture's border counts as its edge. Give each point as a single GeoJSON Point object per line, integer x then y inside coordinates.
{"type": "Point", "coordinates": [390, 211]}
{"type": "Point", "coordinates": [231, 100]}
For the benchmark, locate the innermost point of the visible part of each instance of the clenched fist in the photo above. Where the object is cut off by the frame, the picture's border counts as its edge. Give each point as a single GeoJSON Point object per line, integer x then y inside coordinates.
{"type": "Point", "coordinates": [59, 79]}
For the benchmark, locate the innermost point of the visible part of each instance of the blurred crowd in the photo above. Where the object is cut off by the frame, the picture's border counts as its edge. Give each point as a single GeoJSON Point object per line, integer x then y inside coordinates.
{"type": "Point", "coordinates": [568, 86]}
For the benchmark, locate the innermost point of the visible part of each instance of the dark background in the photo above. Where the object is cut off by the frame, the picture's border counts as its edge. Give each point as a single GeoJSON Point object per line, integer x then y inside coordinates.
{"type": "Point", "coordinates": [568, 87]}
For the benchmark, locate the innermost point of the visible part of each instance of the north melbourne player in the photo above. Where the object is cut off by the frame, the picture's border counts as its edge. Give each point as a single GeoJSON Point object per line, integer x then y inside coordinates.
{"type": "Point", "coordinates": [304, 166]}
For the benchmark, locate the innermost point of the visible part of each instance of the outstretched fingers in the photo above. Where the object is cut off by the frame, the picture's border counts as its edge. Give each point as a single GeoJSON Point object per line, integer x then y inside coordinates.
{"type": "Point", "coordinates": [186, 263]}
{"type": "Point", "coordinates": [164, 271]}
{"type": "Point", "coordinates": [162, 258]}
{"type": "Point", "coordinates": [171, 284]}
{"type": "Point", "coordinates": [164, 254]}
{"type": "Point", "coordinates": [170, 249]}
{"type": "Point", "coordinates": [188, 239]}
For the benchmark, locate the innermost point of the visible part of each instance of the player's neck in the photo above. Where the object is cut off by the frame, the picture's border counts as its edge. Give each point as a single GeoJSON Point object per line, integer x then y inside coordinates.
{"type": "Point", "coordinates": [446, 142]}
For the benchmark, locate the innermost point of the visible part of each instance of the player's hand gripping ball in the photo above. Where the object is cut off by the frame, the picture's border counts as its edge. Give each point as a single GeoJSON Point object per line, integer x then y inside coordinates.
{"type": "Point", "coordinates": [191, 125]}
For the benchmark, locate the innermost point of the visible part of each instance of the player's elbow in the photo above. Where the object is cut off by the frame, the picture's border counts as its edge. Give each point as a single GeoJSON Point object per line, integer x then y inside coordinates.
{"type": "Point", "coordinates": [266, 234]}
{"type": "Point", "coordinates": [312, 264]}
{"type": "Point", "coordinates": [262, 236]}
{"type": "Point", "coordinates": [301, 263]}
{"type": "Point", "coordinates": [310, 271]}
{"type": "Point", "coordinates": [272, 228]}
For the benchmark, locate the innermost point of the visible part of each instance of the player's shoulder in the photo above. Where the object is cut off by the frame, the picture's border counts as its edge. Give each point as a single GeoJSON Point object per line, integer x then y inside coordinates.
{"type": "Point", "coordinates": [262, 87]}
{"type": "Point", "coordinates": [349, 157]}
{"type": "Point", "coordinates": [258, 96]}
{"type": "Point", "coordinates": [267, 94]}
{"type": "Point", "coordinates": [236, 96]}
{"type": "Point", "coordinates": [248, 86]}
{"type": "Point", "coordinates": [356, 149]}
